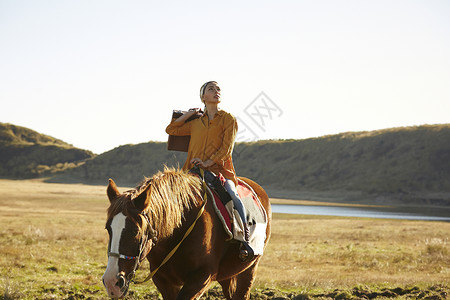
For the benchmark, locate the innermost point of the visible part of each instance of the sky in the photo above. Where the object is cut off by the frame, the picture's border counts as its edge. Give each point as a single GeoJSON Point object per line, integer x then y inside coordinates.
{"type": "Point", "coordinates": [103, 73]}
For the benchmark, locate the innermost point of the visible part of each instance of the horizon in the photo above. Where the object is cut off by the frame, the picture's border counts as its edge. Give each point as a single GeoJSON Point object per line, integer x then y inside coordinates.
{"type": "Point", "coordinates": [109, 73]}
{"type": "Point", "coordinates": [261, 140]}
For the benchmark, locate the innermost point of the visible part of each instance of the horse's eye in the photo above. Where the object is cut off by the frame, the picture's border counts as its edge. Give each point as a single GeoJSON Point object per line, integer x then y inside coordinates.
{"type": "Point", "coordinates": [132, 232]}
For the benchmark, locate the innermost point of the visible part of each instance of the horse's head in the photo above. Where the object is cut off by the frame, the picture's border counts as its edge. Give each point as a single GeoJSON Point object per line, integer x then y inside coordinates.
{"type": "Point", "coordinates": [130, 237]}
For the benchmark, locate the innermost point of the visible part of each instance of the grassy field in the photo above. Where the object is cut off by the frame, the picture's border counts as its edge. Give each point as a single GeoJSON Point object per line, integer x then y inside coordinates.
{"type": "Point", "coordinates": [53, 245]}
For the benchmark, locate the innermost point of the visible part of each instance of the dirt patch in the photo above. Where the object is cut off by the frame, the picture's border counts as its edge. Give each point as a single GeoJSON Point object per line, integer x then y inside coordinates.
{"type": "Point", "coordinates": [435, 292]}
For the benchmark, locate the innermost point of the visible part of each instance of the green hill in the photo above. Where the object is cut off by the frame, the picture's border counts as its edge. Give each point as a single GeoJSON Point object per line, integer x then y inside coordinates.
{"type": "Point", "coordinates": [25, 153]}
{"type": "Point", "coordinates": [127, 165]}
{"type": "Point", "coordinates": [405, 165]}
{"type": "Point", "coordinates": [410, 164]}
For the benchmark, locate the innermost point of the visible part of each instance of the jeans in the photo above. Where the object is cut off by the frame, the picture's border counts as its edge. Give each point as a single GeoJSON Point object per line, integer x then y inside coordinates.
{"type": "Point", "coordinates": [231, 189]}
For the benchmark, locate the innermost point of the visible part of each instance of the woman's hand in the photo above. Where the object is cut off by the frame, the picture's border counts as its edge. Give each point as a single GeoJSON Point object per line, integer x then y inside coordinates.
{"type": "Point", "coordinates": [188, 114]}
{"type": "Point", "coordinates": [202, 164]}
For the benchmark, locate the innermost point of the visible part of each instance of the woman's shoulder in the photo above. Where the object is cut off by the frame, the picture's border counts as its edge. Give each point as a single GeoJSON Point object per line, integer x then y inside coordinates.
{"type": "Point", "coordinates": [226, 115]}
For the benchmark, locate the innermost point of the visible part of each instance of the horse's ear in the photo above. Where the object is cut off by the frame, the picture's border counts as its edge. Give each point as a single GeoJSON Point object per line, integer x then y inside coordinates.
{"type": "Point", "coordinates": [142, 200]}
{"type": "Point", "coordinates": [112, 190]}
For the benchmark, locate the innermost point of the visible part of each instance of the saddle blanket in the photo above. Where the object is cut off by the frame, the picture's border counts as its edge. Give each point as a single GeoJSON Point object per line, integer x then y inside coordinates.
{"type": "Point", "coordinates": [256, 217]}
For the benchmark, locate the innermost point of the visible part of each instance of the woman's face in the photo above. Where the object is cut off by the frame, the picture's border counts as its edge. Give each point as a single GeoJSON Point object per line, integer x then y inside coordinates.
{"type": "Point", "coordinates": [212, 93]}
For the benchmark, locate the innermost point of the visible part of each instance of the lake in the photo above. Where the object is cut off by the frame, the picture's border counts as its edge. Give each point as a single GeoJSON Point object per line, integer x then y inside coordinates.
{"type": "Point", "coordinates": [404, 213]}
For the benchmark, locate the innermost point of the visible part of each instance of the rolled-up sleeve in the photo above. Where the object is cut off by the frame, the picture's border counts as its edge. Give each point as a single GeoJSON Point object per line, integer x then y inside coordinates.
{"type": "Point", "coordinates": [179, 128]}
{"type": "Point", "coordinates": [226, 149]}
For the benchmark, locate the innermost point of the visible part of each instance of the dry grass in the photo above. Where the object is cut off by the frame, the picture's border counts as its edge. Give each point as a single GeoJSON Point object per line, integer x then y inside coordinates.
{"type": "Point", "coordinates": [53, 244]}
{"type": "Point", "coordinates": [51, 237]}
{"type": "Point", "coordinates": [343, 252]}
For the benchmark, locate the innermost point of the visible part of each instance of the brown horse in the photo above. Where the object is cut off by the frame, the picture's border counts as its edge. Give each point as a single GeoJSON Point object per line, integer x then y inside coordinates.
{"type": "Point", "coordinates": [152, 219]}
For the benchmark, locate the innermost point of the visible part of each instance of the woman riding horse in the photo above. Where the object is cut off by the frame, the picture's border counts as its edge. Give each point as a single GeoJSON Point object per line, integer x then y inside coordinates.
{"type": "Point", "coordinates": [211, 146]}
{"type": "Point", "coordinates": [168, 220]}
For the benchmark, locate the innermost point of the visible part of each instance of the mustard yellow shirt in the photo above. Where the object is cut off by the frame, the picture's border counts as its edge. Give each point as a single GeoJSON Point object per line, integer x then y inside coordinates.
{"type": "Point", "coordinates": [210, 139]}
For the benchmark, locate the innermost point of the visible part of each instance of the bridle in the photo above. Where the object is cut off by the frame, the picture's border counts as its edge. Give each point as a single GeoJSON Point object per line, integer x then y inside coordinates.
{"type": "Point", "coordinates": [150, 234]}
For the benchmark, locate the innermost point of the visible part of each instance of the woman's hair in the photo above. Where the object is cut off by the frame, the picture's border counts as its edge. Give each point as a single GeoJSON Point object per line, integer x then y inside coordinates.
{"type": "Point", "coordinates": [203, 88]}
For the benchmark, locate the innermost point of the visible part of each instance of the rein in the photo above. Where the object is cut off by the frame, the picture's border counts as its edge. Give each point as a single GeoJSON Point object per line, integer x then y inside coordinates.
{"type": "Point", "coordinates": [172, 252]}
{"type": "Point", "coordinates": [152, 232]}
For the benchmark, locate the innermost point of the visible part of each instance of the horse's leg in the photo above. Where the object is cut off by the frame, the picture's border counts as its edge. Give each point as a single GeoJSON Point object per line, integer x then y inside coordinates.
{"type": "Point", "coordinates": [245, 281]}
{"type": "Point", "coordinates": [169, 293]}
{"type": "Point", "coordinates": [228, 287]}
{"type": "Point", "coordinates": [167, 289]}
{"type": "Point", "coordinates": [195, 287]}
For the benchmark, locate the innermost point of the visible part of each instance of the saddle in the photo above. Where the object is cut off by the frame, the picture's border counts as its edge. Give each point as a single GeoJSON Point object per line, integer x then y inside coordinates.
{"type": "Point", "coordinates": [256, 214]}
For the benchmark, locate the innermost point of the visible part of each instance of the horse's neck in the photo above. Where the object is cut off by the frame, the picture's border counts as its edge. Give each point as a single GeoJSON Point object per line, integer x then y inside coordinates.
{"type": "Point", "coordinates": [167, 217]}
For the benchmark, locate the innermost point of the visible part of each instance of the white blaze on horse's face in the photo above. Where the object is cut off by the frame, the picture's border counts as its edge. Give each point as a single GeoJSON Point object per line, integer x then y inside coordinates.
{"type": "Point", "coordinates": [110, 276]}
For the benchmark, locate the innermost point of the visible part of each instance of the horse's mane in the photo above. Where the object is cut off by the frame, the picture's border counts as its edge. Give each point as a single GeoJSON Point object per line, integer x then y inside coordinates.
{"type": "Point", "coordinates": [171, 193]}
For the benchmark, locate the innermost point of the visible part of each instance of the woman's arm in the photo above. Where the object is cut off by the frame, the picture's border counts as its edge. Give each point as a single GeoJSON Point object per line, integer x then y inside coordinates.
{"type": "Point", "coordinates": [179, 127]}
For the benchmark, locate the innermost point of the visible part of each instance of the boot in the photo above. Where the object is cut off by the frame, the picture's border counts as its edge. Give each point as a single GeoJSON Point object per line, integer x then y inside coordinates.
{"type": "Point", "coordinates": [246, 253]}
